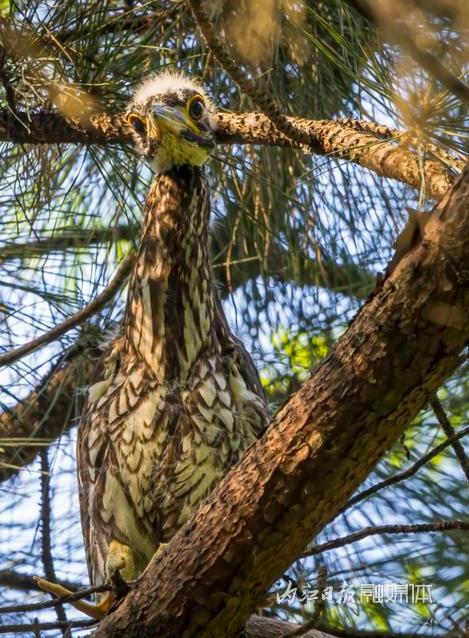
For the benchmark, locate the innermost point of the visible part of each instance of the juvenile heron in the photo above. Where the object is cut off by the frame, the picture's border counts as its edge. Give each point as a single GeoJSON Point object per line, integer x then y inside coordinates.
{"type": "Point", "coordinates": [177, 398]}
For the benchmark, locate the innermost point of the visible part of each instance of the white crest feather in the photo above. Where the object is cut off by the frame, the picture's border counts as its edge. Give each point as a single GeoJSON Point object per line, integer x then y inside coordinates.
{"type": "Point", "coordinates": [168, 82]}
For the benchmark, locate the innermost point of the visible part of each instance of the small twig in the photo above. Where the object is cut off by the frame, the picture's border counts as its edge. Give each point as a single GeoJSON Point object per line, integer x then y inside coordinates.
{"type": "Point", "coordinates": [450, 433]}
{"type": "Point", "coordinates": [46, 626]}
{"type": "Point", "coordinates": [413, 469]}
{"type": "Point", "coordinates": [46, 545]}
{"type": "Point", "coordinates": [78, 595]}
{"type": "Point", "coordinates": [233, 69]}
{"type": "Point", "coordinates": [79, 317]}
{"type": "Point", "coordinates": [440, 526]}
{"type": "Point", "coordinates": [400, 34]}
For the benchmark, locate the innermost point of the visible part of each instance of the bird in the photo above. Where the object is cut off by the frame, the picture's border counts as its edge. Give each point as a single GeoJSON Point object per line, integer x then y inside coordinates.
{"type": "Point", "coordinates": [177, 398]}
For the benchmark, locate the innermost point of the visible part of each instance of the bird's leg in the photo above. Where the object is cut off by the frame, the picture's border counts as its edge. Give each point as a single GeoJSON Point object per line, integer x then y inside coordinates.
{"type": "Point", "coordinates": [120, 566]}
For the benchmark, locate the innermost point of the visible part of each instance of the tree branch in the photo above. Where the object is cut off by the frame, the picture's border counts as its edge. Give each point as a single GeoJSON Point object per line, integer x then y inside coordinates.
{"type": "Point", "coordinates": [76, 319]}
{"type": "Point", "coordinates": [46, 412]}
{"type": "Point", "coordinates": [398, 32]}
{"type": "Point", "coordinates": [344, 139]}
{"type": "Point", "coordinates": [439, 526]}
{"type": "Point", "coordinates": [46, 531]}
{"type": "Point", "coordinates": [67, 240]}
{"type": "Point", "coordinates": [55, 602]}
{"type": "Point", "coordinates": [318, 448]}
{"type": "Point", "coordinates": [451, 434]}
{"type": "Point", "coordinates": [405, 474]}
{"type": "Point", "coordinates": [32, 628]}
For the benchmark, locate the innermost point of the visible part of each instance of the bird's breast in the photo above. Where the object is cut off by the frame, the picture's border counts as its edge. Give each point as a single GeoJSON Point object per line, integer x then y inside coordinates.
{"type": "Point", "coordinates": [169, 444]}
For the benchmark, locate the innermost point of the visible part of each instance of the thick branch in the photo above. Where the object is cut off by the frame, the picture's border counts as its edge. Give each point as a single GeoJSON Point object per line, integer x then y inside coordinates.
{"type": "Point", "coordinates": [45, 414]}
{"type": "Point", "coordinates": [343, 139]}
{"type": "Point", "coordinates": [319, 447]}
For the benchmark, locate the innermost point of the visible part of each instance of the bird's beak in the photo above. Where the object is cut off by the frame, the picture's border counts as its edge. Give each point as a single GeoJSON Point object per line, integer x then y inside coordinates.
{"type": "Point", "coordinates": [167, 119]}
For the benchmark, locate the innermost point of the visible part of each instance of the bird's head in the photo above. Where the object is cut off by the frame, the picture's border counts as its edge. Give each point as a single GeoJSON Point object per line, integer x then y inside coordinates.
{"type": "Point", "coordinates": [172, 123]}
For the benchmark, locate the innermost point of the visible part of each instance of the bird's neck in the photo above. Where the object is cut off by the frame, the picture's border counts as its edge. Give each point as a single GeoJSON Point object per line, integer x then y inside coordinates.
{"type": "Point", "coordinates": [170, 309]}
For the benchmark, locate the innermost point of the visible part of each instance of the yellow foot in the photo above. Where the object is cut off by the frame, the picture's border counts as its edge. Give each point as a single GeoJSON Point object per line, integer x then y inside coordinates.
{"type": "Point", "coordinates": [96, 611]}
{"type": "Point", "coordinates": [120, 559]}
{"type": "Point", "coordinates": [120, 568]}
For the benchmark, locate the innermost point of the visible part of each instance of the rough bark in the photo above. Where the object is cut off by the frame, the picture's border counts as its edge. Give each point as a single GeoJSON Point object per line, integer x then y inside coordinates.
{"type": "Point", "coordinates": [319, 447]}
{"type": "Point", "coordinates": [345, 139]}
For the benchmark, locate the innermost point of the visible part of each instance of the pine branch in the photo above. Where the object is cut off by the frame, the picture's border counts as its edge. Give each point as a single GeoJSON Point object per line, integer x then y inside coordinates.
{"type": "Point", "coordinates": [67, 240]}
{"type": "Point", "coordinates": [451, 434]}
{"type": "Point", "coordinates": [75, 320]}
{"type": "Point", "coordinates": [397, 31]}
{"type": "Point", "coordinates": [405, 474]}
{"type": "Point", "coordinates": [423, 528]}
{"type": "Point", "coordinates": [46, 531]}
{"type": "Point", "coordinates": [55, 602]}
{"type": "Point", "coordinates": [338, 139]}
{"type": "Point", "coordinates": [47, 411]}
{"type": "Point", "coordinates": [28, 628]}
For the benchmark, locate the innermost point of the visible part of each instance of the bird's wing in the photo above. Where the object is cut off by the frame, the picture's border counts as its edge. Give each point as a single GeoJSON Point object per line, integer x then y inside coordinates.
{"type": "Point", "coordinates": [87, 481]}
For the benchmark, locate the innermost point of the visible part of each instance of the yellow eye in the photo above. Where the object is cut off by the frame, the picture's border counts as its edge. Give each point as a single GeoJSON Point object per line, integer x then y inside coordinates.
{"type": "Point", "coordinates": [196, 108]}
{"type": "Point", "coordinates": [137, 123]}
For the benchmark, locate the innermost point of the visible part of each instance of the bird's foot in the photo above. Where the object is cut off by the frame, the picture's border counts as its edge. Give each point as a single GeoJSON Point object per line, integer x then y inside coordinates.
{"type": "Point", "coordinates": [96, 611]}
{"type": "Point", "coordinates": [120, 568]}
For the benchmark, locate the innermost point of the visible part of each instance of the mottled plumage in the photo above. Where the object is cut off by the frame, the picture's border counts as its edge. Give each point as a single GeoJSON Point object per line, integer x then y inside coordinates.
{"type": "Point", "coordinates": [177, 399]}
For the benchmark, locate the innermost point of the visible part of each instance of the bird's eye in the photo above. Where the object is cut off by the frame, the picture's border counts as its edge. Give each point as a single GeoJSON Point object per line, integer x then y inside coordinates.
{"type": "Point", "coordinates": [137, 124]}
{"type": "Point", "coordinates": [196, 108]}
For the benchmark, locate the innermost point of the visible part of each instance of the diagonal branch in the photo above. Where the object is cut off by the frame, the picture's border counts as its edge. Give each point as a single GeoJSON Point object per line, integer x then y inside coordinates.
{"type": "Point", "coordinates": [397, 31]}
{"type": "Point", "coordinates": [439, 526]}
{"type": "Point", "coordinates": [451, 434]}
{"type": "Point", "coordinates": [76, 319]}
{"type": "Point", "coordinates": [405, 474]}
{"type": "Point", "coordinates": [342, 139]}
{"type": "Point", "coordinates": [319, 447]}
{"type": "Point", "coordinates": [233, 69]}
{"type": "Point", "coordinates": [47, 411]}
